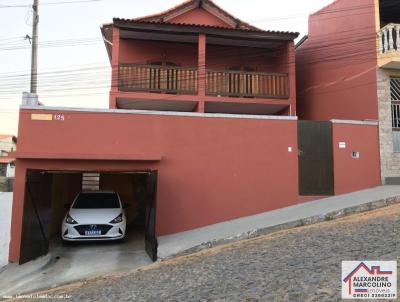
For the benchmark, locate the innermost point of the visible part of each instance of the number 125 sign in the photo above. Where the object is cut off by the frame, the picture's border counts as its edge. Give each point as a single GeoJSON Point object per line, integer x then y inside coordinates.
{"type": "Point", "coordinates": [59, 117]}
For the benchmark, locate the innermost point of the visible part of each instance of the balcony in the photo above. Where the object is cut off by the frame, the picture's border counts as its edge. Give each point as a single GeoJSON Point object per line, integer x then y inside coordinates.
{"type": "Point", "coordinates": [177, 80]}
{"type": "Point", "coordinates": [389, 46]}
{"type": "Point", "coordinates": [247, 84]}
{"type": "Point", "coordinates": [153, 78]}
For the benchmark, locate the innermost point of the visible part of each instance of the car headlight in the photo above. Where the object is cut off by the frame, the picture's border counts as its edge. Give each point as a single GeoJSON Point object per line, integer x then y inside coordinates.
{"type": "Point", "coordinates": [70, 220]}
{"type": "Point", "coordinates": [117, 219]}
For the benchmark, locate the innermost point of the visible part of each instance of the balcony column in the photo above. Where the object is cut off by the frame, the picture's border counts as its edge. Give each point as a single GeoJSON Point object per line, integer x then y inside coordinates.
{"type": "Point", "coordinates": [292, 77]}
{"type": "Point", "coordinates": [385, 40]}
{"type": "Point", "coordinates": [201, 72]}
{"type": "Point", "coordinates": [391, 41]}
{"type": "Point", "coordinates": [114, 67]}
{"type": "Point", "coordinates": [380, 44]}
{"type": "Point", "coordinates": [398, 37]}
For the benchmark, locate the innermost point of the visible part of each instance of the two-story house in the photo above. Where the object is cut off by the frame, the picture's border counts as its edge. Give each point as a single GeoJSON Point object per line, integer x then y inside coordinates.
{"type": "Point", "coordinates": [196, 57]}
{"type": "Point", "coordinates": [201, 129]}
{"type": "Point", "coordinates": [349, 68]}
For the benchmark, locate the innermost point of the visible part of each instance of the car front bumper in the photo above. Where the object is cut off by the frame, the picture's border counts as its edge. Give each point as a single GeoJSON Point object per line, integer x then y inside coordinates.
{"type": "Point", "coordinates": [76, 232]}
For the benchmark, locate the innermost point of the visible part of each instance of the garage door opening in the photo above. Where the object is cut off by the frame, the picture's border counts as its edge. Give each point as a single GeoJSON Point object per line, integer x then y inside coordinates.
{"type": "Point", "coordinates": [48, 194]}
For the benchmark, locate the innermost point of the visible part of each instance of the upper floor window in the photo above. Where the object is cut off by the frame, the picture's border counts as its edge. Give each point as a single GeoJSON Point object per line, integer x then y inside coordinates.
{"type": "Point", "coordinates": [395, 100]}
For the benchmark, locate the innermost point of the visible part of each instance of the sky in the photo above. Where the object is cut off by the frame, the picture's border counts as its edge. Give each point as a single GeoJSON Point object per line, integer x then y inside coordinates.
{"type": "Point", "coordinates": [73, 66]}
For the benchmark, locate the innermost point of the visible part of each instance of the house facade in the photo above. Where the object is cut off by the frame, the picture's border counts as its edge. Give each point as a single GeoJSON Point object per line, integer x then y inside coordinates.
{"type": "Point", "coordinates": [349, 68]}
{"type": "Point", "coordinates": [201, 128]}
{"type": "Point", "coordinates": [201, 105]}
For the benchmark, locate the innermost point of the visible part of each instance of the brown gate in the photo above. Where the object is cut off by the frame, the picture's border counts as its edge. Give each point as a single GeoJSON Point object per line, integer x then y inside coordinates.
{"type": "Point", "coordinates": [151, 243]}
{"type": "Point", "coordinates": [35, 228]}
{"type": "Point", "coordinates": [315, 158]}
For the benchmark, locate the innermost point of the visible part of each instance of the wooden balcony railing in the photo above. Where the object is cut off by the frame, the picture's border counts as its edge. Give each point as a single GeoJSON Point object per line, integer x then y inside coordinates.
{"type": "Point", "coordinates": [153, 78]}
{"type": "Point", "coordinates": [247, 84]}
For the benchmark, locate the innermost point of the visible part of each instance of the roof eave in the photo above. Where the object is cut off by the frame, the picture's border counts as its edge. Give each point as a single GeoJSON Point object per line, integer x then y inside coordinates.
{"type": "Point", "coordinates": [106, 39]}
{"type": "Point", "coordinates": [195, 29]}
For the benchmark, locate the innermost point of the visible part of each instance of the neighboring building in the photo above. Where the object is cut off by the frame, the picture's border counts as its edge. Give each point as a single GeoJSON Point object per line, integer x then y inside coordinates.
{"type": "Point", "coordinates": [8, 143]}
{"type": "Point", "coordinates": [349, 68]}
{"type": "Point", "coordinates": [7, 167]}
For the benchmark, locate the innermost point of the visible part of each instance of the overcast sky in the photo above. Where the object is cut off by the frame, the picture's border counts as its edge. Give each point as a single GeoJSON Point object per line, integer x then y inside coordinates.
{"type": "Point", "coordinates": [73, 64]}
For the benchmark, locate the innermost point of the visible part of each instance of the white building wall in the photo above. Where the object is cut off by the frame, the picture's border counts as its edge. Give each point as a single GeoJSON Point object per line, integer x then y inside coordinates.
{"type": "Point", "coordinates": [5, 226]}
{"type": "Point", "coordinates": [10, 173]}
{"type": "Point", "coordinates": [7, 144]}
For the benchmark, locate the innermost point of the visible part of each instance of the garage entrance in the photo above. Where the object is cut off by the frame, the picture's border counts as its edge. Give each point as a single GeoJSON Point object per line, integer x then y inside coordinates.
{"type": "Point", "coordinates": [47, 194]}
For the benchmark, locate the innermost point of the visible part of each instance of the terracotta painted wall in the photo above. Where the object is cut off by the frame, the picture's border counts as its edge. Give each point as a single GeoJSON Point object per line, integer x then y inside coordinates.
{"type": "Point", "coordinates": [199, 16]}
{"type": "Point", "coordinates": [336, 66]}
{"type": "Point", "coordinates": [352, 174]}
{"type": "Point", "coordinates": [262, 60]}
{"type": "Point", "coordinates": [217, 57]}
{"type": "Point", "coordinates": [212, 169]}
{"type": "Point", "coordinates": [144, 52]}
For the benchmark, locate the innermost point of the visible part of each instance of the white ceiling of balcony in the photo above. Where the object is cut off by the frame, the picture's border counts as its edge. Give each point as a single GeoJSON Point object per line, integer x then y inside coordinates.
{"type": "Point", "coordinates": [157, 105]}
{"type": "Point", "coordinates": [244, 108]}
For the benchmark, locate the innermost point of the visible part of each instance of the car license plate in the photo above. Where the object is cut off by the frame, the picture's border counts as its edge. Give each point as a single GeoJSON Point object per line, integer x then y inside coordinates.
{"type": "Point", "coordinates": [92, 232]}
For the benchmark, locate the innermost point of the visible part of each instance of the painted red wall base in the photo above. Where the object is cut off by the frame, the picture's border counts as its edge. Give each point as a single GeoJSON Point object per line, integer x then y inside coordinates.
{"type": "Point", "coordinates": [211, 169]}
{"type": "Point", "coordinates": [353, 174]}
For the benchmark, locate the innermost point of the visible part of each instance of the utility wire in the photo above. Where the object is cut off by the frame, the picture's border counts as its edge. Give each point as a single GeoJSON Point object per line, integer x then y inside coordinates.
{"type": "Point", "coordinates": [47, 3]}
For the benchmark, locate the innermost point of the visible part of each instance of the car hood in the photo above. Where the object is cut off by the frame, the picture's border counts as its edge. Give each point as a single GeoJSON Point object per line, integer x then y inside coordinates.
{"type": "Point", "coordinates": [94, 216]}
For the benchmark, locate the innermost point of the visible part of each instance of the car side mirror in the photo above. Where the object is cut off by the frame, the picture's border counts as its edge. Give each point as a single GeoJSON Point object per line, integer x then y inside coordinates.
{"type": "Point", "coordinates": [67, 205]}
{"type": "Point", "coordinates": [125, 205]}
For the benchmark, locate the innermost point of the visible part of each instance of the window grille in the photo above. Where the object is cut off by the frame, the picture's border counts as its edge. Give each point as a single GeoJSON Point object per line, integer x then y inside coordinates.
{"type": "Point", "coordinates": [395, 98]}
{"type": "Point", "coordinates": [395, 89]}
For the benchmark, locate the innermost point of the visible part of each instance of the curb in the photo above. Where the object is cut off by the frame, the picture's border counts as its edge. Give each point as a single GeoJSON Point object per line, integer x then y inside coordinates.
{"type": "Point", "coordinates": [370, 206]}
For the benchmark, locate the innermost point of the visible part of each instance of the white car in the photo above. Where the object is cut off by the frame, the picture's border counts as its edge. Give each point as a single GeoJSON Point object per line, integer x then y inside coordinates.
{"type": "Point", "coordinates": [97, 215]}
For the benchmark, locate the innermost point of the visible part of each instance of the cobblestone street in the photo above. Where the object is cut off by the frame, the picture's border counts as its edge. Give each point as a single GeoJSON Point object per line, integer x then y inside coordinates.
{"type": "Point", "coordinates": [302, 264]}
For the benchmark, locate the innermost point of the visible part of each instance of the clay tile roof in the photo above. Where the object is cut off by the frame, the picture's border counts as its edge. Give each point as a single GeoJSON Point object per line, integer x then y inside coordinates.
{"type": "Point", "coordinates": [162, 18]}
{"type": "Point", "coordinates": [209, 26]}
{"type": "Point", "coordinates": [6, 160]}
{"type": "Point", "coordinates": [3, 136]}
{"type": "Point", "coordinates": [197, 3]}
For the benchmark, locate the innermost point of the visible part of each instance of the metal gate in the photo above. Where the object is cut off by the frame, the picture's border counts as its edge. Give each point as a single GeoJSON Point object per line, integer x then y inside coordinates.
{"type": "Point", "coordinates": [315, 158]}
{"type": "Point", "coordinates": [150, 238]}
{"type": "Point", "coordinates": [35, 228]}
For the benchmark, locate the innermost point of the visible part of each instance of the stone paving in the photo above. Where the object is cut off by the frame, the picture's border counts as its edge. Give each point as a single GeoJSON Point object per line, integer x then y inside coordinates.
{"type": "Point", "coordinates": [302, 264]}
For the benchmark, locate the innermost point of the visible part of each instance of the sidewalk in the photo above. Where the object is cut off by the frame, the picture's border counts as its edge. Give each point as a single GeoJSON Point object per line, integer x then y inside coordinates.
{"type": "Point", "coordinates": [293, 216]}
{"type": "Point", "coordinates": [69, 264]}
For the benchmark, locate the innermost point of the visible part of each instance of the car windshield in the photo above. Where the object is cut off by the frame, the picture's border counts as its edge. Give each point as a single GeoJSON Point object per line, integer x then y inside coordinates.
{"type": "Point", "coordinates": [96, 201]}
